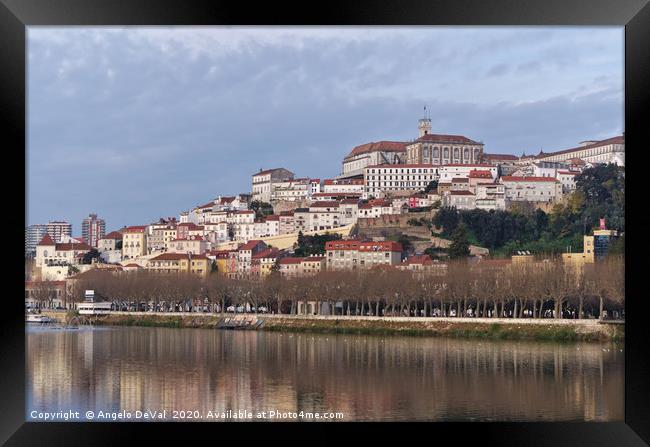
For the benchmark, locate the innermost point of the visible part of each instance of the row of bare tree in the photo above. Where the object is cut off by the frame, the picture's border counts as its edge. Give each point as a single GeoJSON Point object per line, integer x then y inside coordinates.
{"type": "Point", "coordinates": [535, 290]}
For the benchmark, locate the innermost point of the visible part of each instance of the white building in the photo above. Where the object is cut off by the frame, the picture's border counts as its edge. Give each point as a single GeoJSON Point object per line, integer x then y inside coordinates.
{"type": "Point", "coordinates": [354, 254]}
{"type": "Point", "coordinates": [375, 153]}
{"type": "Point", "coordinates": [263, 182]}
{"type": "Point", "coordinates": [448, 172]}
{"type": "Point", "coordinates": [291, 190]}
{"type": "Point", "coordinates": [324, 216]}
{"type": "Point", "coordinates": [354, 186]}
{"type": "Point", "coordinates": [610, 150]}
{"type": "Point", "coordinates": [490, 196]}
{"type": "Point", "coordinates": [440, 149]}
{"type": "Point", "coordinates": [459, 199]}
{"type": "Point", "coordinates": [568, 180]}
{"type": "Point", "coordinates": [532, 189]}
{"type": "Point", "coordinates": [384, 179]}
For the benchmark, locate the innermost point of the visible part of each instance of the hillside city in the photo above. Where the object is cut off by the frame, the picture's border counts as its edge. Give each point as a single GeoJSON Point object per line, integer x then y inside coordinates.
{"type": "Point", "coordinates": [411, 206]}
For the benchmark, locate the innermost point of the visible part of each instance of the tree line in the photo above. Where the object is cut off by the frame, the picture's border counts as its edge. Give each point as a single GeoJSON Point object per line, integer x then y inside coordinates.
{"type": "Point", "coordinates": [546, 289]}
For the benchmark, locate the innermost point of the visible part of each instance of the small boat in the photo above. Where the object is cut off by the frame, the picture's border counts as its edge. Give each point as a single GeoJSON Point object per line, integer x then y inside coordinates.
{"type": "Point", "coordinates": [37, 318]}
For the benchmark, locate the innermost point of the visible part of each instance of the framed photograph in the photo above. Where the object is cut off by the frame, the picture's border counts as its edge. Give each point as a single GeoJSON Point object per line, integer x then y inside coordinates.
{"type": "Point", "coordinates": [361, 212]}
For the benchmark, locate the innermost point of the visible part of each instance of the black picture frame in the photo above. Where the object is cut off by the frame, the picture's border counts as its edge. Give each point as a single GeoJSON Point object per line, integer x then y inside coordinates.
{"type": "Point", "coordinates": [15, 15]}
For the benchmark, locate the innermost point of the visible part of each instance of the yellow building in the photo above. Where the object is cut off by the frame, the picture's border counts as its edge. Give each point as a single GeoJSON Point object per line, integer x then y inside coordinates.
{"type": "Point", "coordinates": [180, 263]}
{"type": "Point", "coordinates": [134, 242]}
{"type": "Point", "coordinates": [580, 259]}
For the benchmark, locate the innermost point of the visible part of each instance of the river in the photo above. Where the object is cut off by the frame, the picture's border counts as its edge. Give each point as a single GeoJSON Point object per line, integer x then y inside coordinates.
{"type": "Point", "coordinates": [363, 378]}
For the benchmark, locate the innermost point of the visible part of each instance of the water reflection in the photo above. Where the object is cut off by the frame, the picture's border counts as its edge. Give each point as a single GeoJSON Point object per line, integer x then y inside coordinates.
{"type": "Point", "coordinates": [365, 377]}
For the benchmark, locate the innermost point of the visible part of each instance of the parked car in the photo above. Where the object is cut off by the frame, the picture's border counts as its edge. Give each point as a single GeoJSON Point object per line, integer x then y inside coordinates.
{"type": "Point", "coordinates": [230, 309]}
{"type": "Point", "coordinates": [262, 309]}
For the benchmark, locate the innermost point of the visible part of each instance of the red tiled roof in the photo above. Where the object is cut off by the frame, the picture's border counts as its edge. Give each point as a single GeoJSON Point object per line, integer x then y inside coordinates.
{"type": "Point", "coordinates": [461, 193]}
{"type": "Point", "coordinates": [47, 240]}
{"type": "Point", "coordinates": [325, 204]}
{"type": "Point", "coordinates": [225, 200]}
{"type": "Point", "coordinates": [273, 217]}
{"type": "Point", "coordinates": [190, 226]}
{"type": "Point", "coordinates": [475, 173]}
{"type": "Point", "coordinates": [176, 257]}
{"type": "Point", "coordinates": [267, 171]}
{"type": "Point", "coordinates": [314, 180]}
{"type": "Point", "coordinates": [286, 213]}
{"type": "Point", "coordinates": [509, 157]}
{"type": "Point", "coordinates": [133, 265]}
{"type": "Point", "coordinates": [135, 229]}
{"type": "Point", "coordinates": [313, 258]}
{"type": "Point", "coordinates": [460, 180]}
{"type": "Point", "coordinates": [290, 260]}
{"type": "Point", "coordinates": [207, 205]}
{"type": "Point", "coordinates": [379, 146]}
{"type": "Point", "coordinates": [250, 245]}
{"type": "Point", "coordinates": [568, 172]}
{"type": "Point", "coordinates": [350, 202]}
{"type": "Point", "coordinates": [267, 253]}
{"type": "Point", "coordinates": [113, 235]}
{"type": "Point", "coordinates": [614, 140]}
{"type": "Point", "coordinates": [71, 246]}
{"type": "Point", "coordinates": [510, 178]}
{"type": "Point", "coordinates": [439, 138]}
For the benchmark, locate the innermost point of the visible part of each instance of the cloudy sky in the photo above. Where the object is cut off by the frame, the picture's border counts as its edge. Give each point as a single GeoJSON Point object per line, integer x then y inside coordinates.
{"type": "Point", "coordinates": [137, 123]}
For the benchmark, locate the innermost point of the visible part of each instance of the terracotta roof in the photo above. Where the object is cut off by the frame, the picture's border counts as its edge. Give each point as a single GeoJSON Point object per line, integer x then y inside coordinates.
{"type": "Point", "coordinates": [273, 217]}
{"type": "Point", "coordinates": [325, 204]}
{"type": "Point", "coordinates": [190, 226]}
{"type": "Point", "coordinates": [440, 138]}
{"type": "Point", "coordinates": [267, 253]}
{"type": "Point", "coordinates": [133, 264]}
{"type": "Point", "coordinates": [379, 146]}
{"type": "Point", "coordinates": [475, 173]}
{"type": "Point", "coordinates": [113, 235]}
{"type": "Point", "coordinates": [71, 246]}
{"type": "Point", "coordinates": [349, 202]}
{"type": "Point", "coordinates": [461, 193]}
{"type": "Point", "coordinates": [290, 260]}
{"type": "Point", "coordinates": [509, 157]}
{"type": "Point", "coordinates": [176, 257]}
{"type": "Point", "coordinates": [460, 180]}
{"type": "Point", "coordinates": [510, 178]}
{"type": "Point", "coordinates": [614, 140]}
{"type": "Point", "coordinates": [286, 213]}
{"type": "Point", "coordinates": [314, 180]}
{"type": "Point", "coordinates": [267, 171]}
{"type": "Point", "coordinates": [224, 200]}
{"type": "Point", "coordinates": [250, 245]}
{"type": "Point", "coordinates": [568, 172]}
{"type": "Point", "coordinates": [47, 240]}
{"type": "Point", "coordinates": [313, 258]}
{"type": "Point", "coordinates": [135, 229]}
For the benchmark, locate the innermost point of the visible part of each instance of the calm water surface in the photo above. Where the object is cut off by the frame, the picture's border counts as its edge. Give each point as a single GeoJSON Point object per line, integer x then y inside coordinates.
{"type": "Point", "coordinates": [364, 377]}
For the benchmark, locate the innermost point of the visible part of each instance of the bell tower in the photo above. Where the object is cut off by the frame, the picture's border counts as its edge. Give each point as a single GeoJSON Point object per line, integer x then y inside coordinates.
{"type": "Point", "coordinates": [424, 125]}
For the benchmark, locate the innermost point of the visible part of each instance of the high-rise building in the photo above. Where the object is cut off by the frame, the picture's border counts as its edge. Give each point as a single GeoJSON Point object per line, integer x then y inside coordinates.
{"type": "Point", "coordinates": [33, 235]}
{"type": "Point", "coordinates": [58, 229]}
{"type": "Point", "coordinates": [93, 229]}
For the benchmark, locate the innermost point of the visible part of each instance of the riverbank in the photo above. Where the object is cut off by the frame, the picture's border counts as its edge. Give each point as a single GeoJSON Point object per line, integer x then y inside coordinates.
{"type": "Point", "coordinates": [486, 328]}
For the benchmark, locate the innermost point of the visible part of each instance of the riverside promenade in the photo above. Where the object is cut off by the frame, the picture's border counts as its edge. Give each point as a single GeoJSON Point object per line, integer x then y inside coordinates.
{"type": "Point", "coordinates": [496, 328]}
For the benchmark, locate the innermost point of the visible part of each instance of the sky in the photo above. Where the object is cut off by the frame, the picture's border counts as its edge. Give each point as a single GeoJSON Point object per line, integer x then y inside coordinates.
{"type": "Point", "coordinates": [137, 123]}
